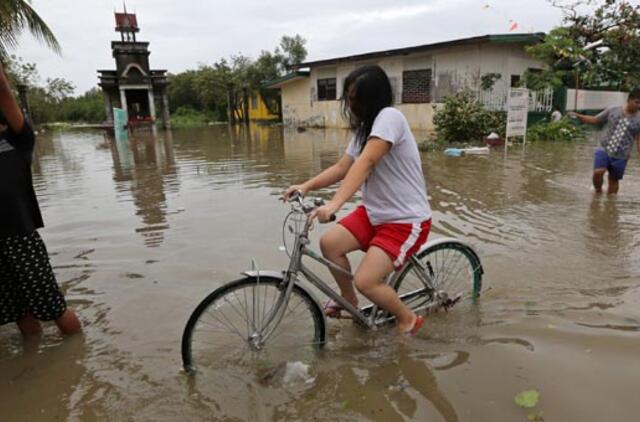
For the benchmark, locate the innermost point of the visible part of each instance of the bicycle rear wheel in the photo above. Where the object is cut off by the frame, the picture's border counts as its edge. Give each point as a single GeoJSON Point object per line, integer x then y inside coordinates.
{"type": "Point", "coordinates": [453, 267]}
{"type": "Point", "coordinates": [224, 330]}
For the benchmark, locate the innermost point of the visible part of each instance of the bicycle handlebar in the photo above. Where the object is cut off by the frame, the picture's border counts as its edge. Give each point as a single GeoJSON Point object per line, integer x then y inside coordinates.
{"type": "Point", "coordinates": [298, 197]}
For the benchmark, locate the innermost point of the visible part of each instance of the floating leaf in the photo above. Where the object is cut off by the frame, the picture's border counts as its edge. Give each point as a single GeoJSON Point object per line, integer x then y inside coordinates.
{"type": "Point", "coordinates": [344, 404]}
{"type": "Point", "coordinates": [535, 417]}
{"type": "Point", "coordinates": [528, 398]}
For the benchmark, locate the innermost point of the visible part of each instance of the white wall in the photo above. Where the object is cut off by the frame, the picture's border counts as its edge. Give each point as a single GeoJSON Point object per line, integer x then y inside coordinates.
{"type": "Point", "coordinates": [594, 100]}
{"type": "Point", "coordinates": [463, 67]}
{"type": "Point", "coordinates": [453, 69]}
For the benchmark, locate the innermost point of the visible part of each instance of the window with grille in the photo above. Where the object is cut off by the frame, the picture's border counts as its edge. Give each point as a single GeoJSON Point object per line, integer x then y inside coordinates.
{"type": "Point", "coordinates": [416, 86]}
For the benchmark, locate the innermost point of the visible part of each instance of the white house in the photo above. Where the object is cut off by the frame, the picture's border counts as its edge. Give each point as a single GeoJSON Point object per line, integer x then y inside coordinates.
{"type": "Point", "coordinates": [421, 77]}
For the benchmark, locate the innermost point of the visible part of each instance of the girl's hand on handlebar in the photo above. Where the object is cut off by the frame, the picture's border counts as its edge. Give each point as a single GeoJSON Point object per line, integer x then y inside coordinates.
{"type": "Point", "coordinates": [325, 213]}
{"type": "Point", "coordinates": [293, 188]}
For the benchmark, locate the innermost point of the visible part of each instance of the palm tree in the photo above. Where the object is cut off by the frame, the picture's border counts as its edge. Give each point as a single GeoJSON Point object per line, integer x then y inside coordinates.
{"type": "Point", "coordinates": [15, 17]}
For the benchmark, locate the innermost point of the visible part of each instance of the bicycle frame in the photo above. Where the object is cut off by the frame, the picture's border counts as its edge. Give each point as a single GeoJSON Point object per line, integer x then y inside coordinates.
{"type": "Point", "coordinates": [296, 267]}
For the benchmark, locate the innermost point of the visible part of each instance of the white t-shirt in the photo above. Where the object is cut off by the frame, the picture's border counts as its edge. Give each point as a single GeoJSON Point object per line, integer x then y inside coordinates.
{"type": "Point", "coordinates": [395, 191]}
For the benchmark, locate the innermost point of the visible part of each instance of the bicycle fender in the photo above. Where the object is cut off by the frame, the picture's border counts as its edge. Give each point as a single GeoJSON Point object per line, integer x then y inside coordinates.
{"type": "Point", "coordinates": [264, 273]}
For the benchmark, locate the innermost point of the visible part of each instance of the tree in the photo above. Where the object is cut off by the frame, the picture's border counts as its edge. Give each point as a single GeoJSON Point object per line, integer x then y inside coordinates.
{"type": "Point", "coordinates": [610, 27]}
{"type": "Point", "coordinates": [53, 100]}
{"type": "Point", "coordinates": [210, 88]}
{"type": "Point", "coordinates": [88, 107]}
{"type": "Point", "coordinates": [15, 17]}
{"type": "Point", "coordinates": [292, 51]}
{"type": "Point", "coordinates": [59, 89]}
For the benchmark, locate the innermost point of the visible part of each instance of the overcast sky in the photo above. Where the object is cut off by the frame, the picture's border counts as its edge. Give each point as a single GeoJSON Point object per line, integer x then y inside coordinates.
{"type": "Point", "coordinates": [184, 34]}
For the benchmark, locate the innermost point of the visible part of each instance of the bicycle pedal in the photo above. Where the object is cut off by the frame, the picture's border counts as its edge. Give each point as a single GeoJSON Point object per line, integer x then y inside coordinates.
{"type": "Point", "coordinates": [450, 303]}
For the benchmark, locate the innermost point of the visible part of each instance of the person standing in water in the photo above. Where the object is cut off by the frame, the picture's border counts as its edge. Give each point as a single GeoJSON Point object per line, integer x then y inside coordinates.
{"type": "Point", "coordinates": [621, 133]}
{"type": "Point", "coordinates": [394, 220]}
{"type": "Point", "coordinates": [29, 292]}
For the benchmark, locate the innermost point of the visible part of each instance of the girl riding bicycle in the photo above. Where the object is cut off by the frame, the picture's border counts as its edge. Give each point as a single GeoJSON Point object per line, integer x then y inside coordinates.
{"type": "Point", "coordinates": [394, 220]}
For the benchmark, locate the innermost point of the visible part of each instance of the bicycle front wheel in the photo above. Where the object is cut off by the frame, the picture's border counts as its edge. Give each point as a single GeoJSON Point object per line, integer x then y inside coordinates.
{"type": "Point", "coordinates": [453, 267]}
{"type": "Point", "coordinates": [232, 328]}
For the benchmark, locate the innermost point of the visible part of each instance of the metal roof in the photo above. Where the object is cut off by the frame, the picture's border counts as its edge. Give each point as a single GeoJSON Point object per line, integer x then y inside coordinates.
{"type": "Point", "coordinates": [290, 77]}
{"type": "Point", "coordinates": [526, 38]}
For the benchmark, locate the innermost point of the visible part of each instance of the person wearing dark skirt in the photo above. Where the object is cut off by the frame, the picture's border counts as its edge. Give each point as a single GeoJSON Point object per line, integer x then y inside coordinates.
{"type": "Point", "coordinates": [29, 292]}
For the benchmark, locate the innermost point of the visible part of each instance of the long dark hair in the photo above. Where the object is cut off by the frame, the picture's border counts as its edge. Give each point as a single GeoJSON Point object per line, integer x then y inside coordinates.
{"type": "Point", "coordinates": [371, 92]}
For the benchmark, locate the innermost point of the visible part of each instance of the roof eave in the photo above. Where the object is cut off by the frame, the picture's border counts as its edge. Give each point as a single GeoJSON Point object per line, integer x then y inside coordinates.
{"type": "Point", "coordinates": [528, 38]}
{"type": "Point", "coordinates": [287, 79]}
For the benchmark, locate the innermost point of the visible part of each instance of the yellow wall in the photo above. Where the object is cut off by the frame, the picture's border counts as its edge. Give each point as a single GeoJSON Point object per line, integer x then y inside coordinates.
{"type": "Point", "coordinates": [260, 111]}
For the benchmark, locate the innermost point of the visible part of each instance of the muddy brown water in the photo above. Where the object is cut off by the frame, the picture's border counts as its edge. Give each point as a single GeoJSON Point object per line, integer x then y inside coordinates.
{"type": "Point", "coordinates": [140, 232]}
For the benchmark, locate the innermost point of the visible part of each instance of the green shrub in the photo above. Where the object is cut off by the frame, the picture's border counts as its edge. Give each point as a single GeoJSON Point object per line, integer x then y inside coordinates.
{"type": "Point", "coordinates": [562, 130]}
{"type": "Point", "coordinates": [432, 143]}
{"type": "Point", "coordinates": [464, 119]}
{"type": "Point", "coordinates": [188, 117]}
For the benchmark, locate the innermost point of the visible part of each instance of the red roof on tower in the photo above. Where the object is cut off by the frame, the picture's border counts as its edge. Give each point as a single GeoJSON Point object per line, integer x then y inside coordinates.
{"type": "Point", "coordinates": [126, 22]}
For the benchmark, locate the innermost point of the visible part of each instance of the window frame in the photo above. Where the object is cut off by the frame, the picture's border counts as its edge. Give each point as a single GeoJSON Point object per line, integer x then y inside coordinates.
{"type": "Point", "coordinates": [405, 90]}
{"type": "Point", "coordinates": [325, 87]}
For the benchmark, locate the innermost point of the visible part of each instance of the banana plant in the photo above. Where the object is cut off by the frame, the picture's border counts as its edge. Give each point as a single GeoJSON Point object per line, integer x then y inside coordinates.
{"type": "Point", "coordinates": [16, 16]}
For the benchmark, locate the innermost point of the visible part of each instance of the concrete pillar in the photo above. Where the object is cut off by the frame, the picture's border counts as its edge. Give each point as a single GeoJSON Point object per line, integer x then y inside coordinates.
{"type": "Point", "coordinates": [152, 103]}
{"type": "Point", "coordinates": [123, 101]}
{"type": "Point", "coordinates": [108, 107]}
{"type": "Point", "coordinates": [166, 116]}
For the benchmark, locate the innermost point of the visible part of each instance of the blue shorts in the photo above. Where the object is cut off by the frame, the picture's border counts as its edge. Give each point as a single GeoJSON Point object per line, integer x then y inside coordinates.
{"type": "Point", "coordinates": [615, 166]}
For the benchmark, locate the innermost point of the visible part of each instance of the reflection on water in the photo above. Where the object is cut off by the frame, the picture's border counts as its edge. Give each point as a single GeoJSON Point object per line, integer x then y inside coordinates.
{"type": "Point", "coordinates": [140, 231]}
{"type": "Point", "coordinates": [144, 165]}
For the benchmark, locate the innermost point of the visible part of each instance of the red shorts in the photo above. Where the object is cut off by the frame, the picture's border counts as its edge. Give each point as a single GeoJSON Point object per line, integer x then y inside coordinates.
{"type": "Point", "coordinates": [399, 240]}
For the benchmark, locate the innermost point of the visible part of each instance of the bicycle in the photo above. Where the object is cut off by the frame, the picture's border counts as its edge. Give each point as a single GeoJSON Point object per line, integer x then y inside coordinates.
{"type": "Point", "coordinates": [264, 309]}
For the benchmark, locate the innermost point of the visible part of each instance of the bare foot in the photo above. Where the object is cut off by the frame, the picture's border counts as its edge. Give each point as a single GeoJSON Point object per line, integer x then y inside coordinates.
{"type": "Point", "coordinates": [29, 325]}
{"type": "Point", "coordinates": [68, 323]}
{"type": "Point", "coordinates": [407, 323]}
{"type": "Point", "coordinates": [413, 328]}
{"type": "Point", "coordinates": [332, 309]}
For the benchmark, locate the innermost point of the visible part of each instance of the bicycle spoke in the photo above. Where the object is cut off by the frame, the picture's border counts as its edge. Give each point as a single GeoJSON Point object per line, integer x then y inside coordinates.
{"type": "Point", "coordinates": [216, 338]}
{"type": "Point", "coordinates": [229, 324]}
{"type": "Point", "coordinates": [239, 313]}
{"type": "Point", "coordinates": [288, 323]}
{"type": "Point", "coordinates": [246, 313]}
{"type": "Point", "coordinates": [226, 324]}
{"type": "Point", "coordinates": [451, 268]}
{"type": "Point", "coordinates": [264, 305]}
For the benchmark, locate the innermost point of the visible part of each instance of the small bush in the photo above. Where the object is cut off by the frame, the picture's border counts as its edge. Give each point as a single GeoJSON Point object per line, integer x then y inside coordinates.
{"type": "Point", "coordinates": [432, 143]}
{"type": "Point", "coordinates": [464, 119]}
{"type": "Point", "coordinates": [188, 117]}
{"type": "Point", "coordinates": [560, 131]}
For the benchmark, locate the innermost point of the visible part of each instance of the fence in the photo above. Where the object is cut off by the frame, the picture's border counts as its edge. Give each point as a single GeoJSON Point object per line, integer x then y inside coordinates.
{"type": "Point", "coordinates": [496, 100]}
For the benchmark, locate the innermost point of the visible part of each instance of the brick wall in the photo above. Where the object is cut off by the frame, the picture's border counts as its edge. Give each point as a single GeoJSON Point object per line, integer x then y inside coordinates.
{"type": "Point", "coordinates": [416, 86]}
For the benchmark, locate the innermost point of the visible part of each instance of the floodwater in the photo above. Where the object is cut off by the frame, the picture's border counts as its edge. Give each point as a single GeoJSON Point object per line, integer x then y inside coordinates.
{"type": "Point", "coordinates": [139, 232]}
